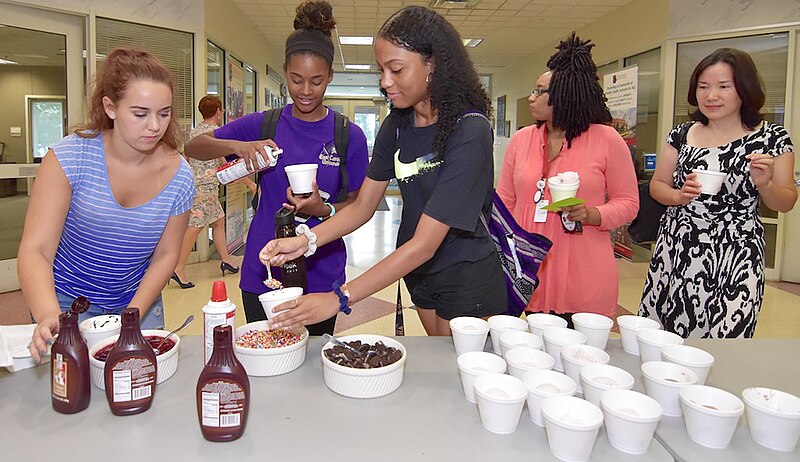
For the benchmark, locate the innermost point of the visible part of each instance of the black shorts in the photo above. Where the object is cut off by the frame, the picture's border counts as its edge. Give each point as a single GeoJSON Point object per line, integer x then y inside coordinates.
{"type": "Point", "coordinates": [474, 289]}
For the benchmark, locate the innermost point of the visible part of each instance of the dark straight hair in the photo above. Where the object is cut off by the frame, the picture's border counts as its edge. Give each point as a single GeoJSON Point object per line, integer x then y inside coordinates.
{"type": "Point", "coordinates": [746, 80]}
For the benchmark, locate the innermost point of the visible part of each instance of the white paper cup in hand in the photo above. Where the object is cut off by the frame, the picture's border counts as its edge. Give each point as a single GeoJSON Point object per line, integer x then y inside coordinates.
{"type": "Point", "coordinates": [575, 357]}
{"type": "Point", "coordinates": [469, 334]}
{"type": "Point", "coordinates": [572, 425]}
{"type": "Point", "coordinates": [300, 177]}
{"type": "Point", "coordinates": [711, 415]}
{"type": "Point", "coordinates": [631, 419]}
{"type": "Point", "coordinates": [519, 338]}
{"type": "Point", "coordinates": [503, 323]}
{"type": "Point", "coordinates": [711, 181]}
{"type": "Point", "coordinates": [560, 191]}
{"type": "Point", "coordinates": [663, 381]}
{"type": "Point", "coordinates": [538, 322]}
{"type": "Point", "coordinates": [628, 325]}
{"type": "Point", "coordinates": [500, 402]}
{"type": "Point", "coordinates": [523, 359]}
{"type": "Point", "coordinates": [699, 361]}
{"type": "Point", "coordinates": [558, 337]}
{"type": "Point", "coordinates": [270, 300]}
{"type": "Point", "coordinates": [773, 417]}
{"type": "Point", "coordinates": [542, 384]}
{"type": "Point", "coordinates": [651, 341]}
{"type": "Point", "coordinates": [597, 378]}
{"type": "Point", "coordinates": [595, 327]}
{"type": "Point", "coordinates": [474, 364]}
{"type": "Point", "coordinates": [99, 327]}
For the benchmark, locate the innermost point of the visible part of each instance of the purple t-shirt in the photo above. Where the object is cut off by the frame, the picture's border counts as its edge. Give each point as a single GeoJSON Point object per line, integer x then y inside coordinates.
{"type": "Point", "coordinates": [302, 143]}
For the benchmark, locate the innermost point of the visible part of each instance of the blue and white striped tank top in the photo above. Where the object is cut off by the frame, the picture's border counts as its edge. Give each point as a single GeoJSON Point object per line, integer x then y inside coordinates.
{"type": "Point", "coordinates": [105, 248]}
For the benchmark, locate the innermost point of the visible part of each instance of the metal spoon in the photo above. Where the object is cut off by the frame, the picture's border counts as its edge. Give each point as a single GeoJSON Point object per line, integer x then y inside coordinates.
{"type": "Point", "coordinates": [336, 341]}
{"type": "Point", "coordinates": [188, 321]}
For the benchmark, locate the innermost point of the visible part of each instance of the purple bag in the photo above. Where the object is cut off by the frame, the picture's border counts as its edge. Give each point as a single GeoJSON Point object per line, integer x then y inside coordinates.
{"type": "Point", "coordinates": [521, 252]}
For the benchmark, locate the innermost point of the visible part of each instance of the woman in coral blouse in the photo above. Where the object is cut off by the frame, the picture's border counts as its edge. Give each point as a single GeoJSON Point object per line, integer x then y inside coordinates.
{"type": "Point", "coordinates": [579, 274]}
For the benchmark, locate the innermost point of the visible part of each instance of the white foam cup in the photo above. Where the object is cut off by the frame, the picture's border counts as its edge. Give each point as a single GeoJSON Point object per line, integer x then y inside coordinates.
{"type": "Point", "coordinates": [542, 384]}
{"type": "Point", "coordinates": [517, 338]}
{"type": "Point", "coordinates": [469, 334]}
{"type": "Point", "coordinates": [575, 357]}
{"type": "Point", "coordinates": [595, 327]}
{"type": "Point", "coordinates": [651, 341]}
{"type": "Point", "coordinates": [538, 322]}
{"type": "Point", "coordinates": [773, 417]}
{"type": "Point", "coordinates": [711, 415]}
{"type": "Point", "coordinates": [271, 299]}
{"type": "Point", "coordinates": [699, 361]}
{"type": "Point", "coordinates": [560, 191]}
{"type": "Point", "coordinates": [99, 327]}
{"type": "Point", "coordinates": [711, 181]}
{"type": "Point", "coordinates": [474, 364]}
{"type": "Point", "coordinates": [523, 359]}
{"type": "Point", "coordinates": [500, 402]}
{"type": "Point", "coordinates": [597, 378]}
{"type": "Point", "coordinates": [300, 177]}
{"type": "Point", "coordinates": [663, 381]}
{"type": "Point", "coordinates": [504, 323]}
{"type": "Point", "coordinates": [558, 337]}
{"type": "Point", "coordinates": [631, 419]}
{"type": "Point", "coordinates": [571, 425]}
{"type": "Point", "coordinates": [628, 325]}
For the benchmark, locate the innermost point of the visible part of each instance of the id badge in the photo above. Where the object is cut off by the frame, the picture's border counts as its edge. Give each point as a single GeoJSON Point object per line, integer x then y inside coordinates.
{"type": "Point", "coordinates": [541, 213]}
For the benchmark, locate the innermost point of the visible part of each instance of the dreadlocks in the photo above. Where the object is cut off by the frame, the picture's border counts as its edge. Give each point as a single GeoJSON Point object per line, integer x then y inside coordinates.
{"type": "Point", "coordinates": [575, 94]}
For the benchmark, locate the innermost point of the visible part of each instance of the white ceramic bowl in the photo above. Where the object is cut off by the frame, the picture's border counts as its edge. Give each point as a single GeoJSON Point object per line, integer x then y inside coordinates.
{"type": "Point", "coordinates": [167, 363]}
{"type": "Point", "coordinates": [364, 383]}
{"type": "Point", "coordinates": [773, 417]}
{"type": "Point", "coordinates": [710, 414]}
{"type": "Point", "coordinates": [267, 362]}
{"type": "Point", "coordinates": [519, 338]}
{"type": "Point", "coordinates": [651, 341]}
{"type": "Point", "coordinates": [663, 381]}
{"type": "Point", "coordinates": [699, 361]}
{"type": "Point", "coordinates": [628, 325]}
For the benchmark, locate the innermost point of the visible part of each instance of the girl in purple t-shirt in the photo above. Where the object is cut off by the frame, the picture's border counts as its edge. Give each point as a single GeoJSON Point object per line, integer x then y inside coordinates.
{"type": "Point", "coordinates": [305, 133]}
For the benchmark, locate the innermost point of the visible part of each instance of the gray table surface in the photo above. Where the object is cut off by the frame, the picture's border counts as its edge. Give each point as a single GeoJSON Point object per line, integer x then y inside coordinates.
{"type": "Point", "coordinates": [738, 364]}
{"type": "Point", "coordinates": [292, 417]}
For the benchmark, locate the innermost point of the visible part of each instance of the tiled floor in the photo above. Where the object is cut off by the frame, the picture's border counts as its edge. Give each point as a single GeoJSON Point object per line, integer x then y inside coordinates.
{"type": "Point", "coordinates": [780, 315]}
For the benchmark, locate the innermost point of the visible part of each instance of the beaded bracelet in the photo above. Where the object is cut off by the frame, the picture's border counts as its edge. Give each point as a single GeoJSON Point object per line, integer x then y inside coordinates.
{"type": "Point", "coordinates": [344, 298]}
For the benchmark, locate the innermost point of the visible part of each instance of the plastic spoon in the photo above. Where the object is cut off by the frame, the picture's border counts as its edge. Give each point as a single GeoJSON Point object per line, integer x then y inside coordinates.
{"type": "Point", "coordinates": [271, 282]}
{"type": "Point", "coordinates": [336, 341]}
{"type": "Point", "coordinates": [188, 321]}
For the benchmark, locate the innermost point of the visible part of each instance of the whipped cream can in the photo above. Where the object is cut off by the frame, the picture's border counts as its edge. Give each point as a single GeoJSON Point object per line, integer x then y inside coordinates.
{"type": "Point", "coordinates": [237, 169]}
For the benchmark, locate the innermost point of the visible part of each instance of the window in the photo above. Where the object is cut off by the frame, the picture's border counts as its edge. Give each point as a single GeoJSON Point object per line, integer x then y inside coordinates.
{"type": "Point", "coordinates": [215, 56]}
{"type": "Point", "coordinates": [249, 90]}
{"type": "Point", "coordinates": [649, 83]}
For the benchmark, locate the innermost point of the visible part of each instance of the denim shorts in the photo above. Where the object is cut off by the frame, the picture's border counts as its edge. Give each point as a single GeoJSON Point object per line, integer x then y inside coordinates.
{"type": "Point", "coordinates": [153, 319]}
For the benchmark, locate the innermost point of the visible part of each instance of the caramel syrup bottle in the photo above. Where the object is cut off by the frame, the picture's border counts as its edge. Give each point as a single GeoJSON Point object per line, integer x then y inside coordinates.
{"type": "Point", "coordinates": [223, 391]}
{"type": "Point", "coordinates": [70, 380]}
{"type": "Point", "coordinates": [130, 371]}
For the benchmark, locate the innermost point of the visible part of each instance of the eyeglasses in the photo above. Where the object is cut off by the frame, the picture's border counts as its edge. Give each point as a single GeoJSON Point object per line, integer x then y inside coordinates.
{"type": "Point", "coordinates": [540, 91]}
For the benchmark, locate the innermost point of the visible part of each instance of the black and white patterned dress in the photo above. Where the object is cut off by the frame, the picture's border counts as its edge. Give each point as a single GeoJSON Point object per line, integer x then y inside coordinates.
{"type": "Point", "coordinates": [706, 277]}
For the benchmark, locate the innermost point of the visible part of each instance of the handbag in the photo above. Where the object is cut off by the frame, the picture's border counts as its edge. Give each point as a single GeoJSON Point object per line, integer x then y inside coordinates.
{"type": "Point", "coordinates": [521, 253]}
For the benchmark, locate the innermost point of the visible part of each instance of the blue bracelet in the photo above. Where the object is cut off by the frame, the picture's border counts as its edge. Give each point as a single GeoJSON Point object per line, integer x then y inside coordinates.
{"type": "Point", "coordinates": [344, 300]}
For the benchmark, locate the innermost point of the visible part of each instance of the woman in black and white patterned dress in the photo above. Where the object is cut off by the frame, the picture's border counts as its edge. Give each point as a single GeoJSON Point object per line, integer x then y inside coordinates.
{"type": "Point", "coordinates": [706, 277]}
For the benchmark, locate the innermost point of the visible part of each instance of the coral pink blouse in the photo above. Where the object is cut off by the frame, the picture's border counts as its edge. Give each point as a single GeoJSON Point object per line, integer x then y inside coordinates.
{"type": "Point", "coordinates": [579, 273]}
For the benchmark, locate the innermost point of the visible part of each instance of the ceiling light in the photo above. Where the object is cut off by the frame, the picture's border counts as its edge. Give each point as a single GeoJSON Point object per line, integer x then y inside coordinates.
{"type": "Point", "coordinates": [7, 61]}
{"type": "Point", "coordinates": [355, 40]}
{"type": "Point", "coordinates": [472, 42]}
{"type": "Point", "coordinates": [453, 3]}
{"type": "Point", "coordinates": [357, 67]}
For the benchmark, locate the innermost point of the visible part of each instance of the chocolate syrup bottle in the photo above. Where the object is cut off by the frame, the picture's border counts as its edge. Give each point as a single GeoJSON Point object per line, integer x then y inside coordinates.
{"type": "Point", "coordinates": [130, 371]}
{"type": "Point", "coordinates": [223, 391]}
{"type": "Point", "coordinates": [293, 272]}
{"type": "Point", "coordinates": [70, 380]}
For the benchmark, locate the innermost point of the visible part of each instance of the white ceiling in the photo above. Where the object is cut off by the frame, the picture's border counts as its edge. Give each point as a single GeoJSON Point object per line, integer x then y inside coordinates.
{"type": "Point", "coordinates": [511, 29]}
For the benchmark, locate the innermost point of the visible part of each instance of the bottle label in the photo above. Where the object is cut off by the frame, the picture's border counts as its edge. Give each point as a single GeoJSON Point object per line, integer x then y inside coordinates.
{"type": "Point", "coordinates": [223, 404]}
{"type": "Point", "coordinates": [133, 379]}
{"type": "Point", "coordinates": [211, 321]}
{"type": "Point", "coordinates": [236, 169]}
{"type": "Point", "coordinates": [60, 369]}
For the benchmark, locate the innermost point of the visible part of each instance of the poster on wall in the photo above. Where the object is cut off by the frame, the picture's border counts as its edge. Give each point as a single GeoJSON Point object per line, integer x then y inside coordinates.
{"type": "Point", "coordinates": [235, 209]}
{"type": "Point", "coordinates": [501, 116]}
{"type": "Point", "coordinates": [234, 90]}
{"type": "Point", "coordinates": [621, 89]}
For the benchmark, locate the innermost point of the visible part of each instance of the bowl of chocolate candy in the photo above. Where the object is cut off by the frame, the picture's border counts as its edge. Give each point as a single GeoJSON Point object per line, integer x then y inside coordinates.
{"type": "Point", "coordinates": [266, 352]}
{"type": "Point", "coordinates": [166, 356]}
{"type": "Point", "coordinates": [375, 371]}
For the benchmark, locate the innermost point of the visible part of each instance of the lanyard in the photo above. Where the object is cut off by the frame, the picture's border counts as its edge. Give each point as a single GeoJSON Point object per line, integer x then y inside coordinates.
{"type": "Point", "coordinates": [542, 182]}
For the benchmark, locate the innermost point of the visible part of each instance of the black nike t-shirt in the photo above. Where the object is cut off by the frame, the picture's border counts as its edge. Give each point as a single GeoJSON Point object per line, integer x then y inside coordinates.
{"type": "Point", "coordinates": [452, 189]}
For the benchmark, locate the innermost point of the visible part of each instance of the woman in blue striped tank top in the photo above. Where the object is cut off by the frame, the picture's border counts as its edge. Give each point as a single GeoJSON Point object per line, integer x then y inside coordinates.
{"type": "Point", "coordinates": [110, 205]}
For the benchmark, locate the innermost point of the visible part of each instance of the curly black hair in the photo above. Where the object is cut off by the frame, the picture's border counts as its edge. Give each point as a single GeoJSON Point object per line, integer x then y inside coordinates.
{"type": "Point", "coordinates": [454, 86]}
{"type": "Point", "coordinates": [315, 15]}
{"type": "Point", "coordinates": [313, 24]}
{"type": "Point", "coordinates": [575, 93]}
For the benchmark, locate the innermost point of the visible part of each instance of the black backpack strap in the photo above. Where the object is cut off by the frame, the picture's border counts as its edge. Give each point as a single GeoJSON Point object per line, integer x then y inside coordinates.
{"type": "Point", "coordinates": [341, 139]}
{"type": "Point", "coordinates": [268, 128]}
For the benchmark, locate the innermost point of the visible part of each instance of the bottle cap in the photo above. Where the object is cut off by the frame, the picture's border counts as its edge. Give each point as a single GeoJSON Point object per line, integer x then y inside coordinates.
{"type": "Point", "coordinates": [284, 217]}
{"type": "Point", "coordinates": [130, 315]}
{"type": "Point", "coordinates": [219, 293]}
{"type": "Point", "coordinates": [222, 334]}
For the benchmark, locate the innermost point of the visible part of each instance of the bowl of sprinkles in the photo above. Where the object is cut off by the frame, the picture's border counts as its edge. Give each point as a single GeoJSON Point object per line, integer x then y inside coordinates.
{"type": "Point", "coordinates": [266, 352]}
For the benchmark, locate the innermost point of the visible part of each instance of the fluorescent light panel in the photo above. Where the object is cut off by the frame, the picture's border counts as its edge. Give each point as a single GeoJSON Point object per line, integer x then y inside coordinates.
{"type": "Point", "coordinates": [7, 61]}
{"type": "Point", "coordinates": [345, 40]}
{"type": "Point", "coordinates": [357, 67]}
{"type": "Point", "coordinates": [472, 42]}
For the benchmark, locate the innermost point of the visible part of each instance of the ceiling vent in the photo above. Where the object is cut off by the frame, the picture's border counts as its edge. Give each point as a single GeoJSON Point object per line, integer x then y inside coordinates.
{"type": "Point", "coordinates": [450, 4]}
